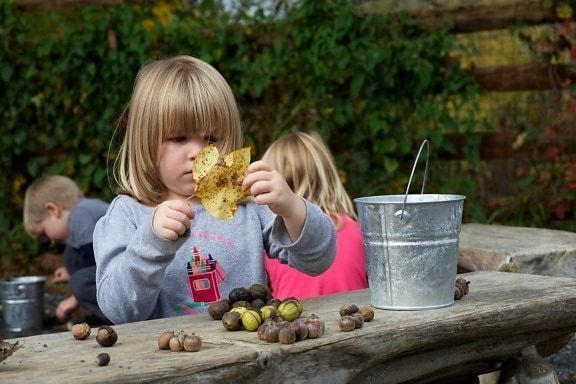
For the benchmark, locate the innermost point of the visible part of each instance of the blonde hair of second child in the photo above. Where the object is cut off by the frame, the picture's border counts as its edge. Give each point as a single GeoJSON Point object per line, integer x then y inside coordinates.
{"type": "Point", "coordinates": [308, 167]}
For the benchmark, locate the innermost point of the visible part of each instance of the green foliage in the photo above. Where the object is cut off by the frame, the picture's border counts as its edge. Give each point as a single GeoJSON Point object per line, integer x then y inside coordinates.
{"type": "Point", "coordinates": [374, 87]}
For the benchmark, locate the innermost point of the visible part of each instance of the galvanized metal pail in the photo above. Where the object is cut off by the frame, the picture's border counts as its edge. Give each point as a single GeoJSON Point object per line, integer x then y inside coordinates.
{"type": "Point", "coordinates": [411, 244]}
{"type": "Point", "coordinates": [23, 303]}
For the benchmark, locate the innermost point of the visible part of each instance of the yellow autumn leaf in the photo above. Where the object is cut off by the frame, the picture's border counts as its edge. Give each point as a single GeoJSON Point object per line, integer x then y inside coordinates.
{"type": "Point", "coordinates": [219, 180]}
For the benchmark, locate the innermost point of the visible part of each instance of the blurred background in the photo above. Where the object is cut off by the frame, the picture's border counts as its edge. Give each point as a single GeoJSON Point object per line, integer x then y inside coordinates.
{"type": "Point", "coordinates": [489, 83]}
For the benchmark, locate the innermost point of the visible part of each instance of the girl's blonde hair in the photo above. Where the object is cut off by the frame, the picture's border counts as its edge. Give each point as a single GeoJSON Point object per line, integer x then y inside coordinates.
{"type": "Point", "coordinates": [59, 190]}
{"type": "Point", "coordinates": [308, 167]}
{"type": "Point", "coordinates": [178, 95]}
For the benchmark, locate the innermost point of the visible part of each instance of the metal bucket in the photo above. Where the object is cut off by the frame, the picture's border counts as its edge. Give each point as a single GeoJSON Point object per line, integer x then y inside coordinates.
{"type": "Point", "coordinates": [411, 244]}
{"type": "Point", "coordinates": [23, 303]}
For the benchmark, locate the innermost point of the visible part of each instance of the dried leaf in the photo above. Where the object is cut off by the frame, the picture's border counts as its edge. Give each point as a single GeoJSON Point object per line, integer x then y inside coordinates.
{"type": "Point", "coordinates": [219, 180]}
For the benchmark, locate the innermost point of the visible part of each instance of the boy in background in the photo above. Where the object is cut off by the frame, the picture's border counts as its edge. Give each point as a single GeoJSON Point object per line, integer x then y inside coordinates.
{"type": "Point", "coordinates": [56, 210]}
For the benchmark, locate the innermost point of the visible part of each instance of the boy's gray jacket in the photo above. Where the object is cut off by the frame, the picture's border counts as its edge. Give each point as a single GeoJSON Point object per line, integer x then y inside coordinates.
{"type": "Point", "coordinates": [141, 276]}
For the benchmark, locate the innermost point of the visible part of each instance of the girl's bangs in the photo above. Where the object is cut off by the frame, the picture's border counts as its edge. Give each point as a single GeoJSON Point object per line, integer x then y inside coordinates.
{"type": "Point", "coordinates": [193, 116]}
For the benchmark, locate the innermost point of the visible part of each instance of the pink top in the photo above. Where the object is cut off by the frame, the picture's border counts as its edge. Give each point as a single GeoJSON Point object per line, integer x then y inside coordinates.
{"type": "Point", "coordinates": [347, 273]}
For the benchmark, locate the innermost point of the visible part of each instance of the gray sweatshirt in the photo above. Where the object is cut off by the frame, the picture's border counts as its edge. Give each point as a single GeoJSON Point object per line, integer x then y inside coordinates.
{"type": "Point", "coordinates": [141, 276]}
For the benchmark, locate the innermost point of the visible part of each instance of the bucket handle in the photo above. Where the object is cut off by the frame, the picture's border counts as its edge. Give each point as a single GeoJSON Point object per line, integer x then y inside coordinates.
{"type": "Point", "coordinates": [425, 142]}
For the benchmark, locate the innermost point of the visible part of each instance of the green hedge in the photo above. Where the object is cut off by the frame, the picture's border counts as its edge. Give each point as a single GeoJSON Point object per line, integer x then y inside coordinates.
{"type": "Point", "coordinates": [373, 86]}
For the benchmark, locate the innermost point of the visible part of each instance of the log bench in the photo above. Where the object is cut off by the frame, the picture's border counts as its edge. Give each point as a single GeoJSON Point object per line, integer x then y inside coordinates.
{"type": "Point", "coordinates": [504, 316]}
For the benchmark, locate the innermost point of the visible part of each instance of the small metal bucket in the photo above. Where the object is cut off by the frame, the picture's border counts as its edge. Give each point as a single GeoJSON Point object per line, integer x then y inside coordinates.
{"type": "Point", "coordinates": [23, 303]}
{"type": "Point", "coordinates": [411, 244]}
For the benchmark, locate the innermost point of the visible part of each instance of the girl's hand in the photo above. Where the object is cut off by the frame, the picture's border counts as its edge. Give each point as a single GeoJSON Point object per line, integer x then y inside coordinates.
{"type": "Point", "coordinates": [269, 187]}
{"type": "Point", "coordinates": [172, 218]}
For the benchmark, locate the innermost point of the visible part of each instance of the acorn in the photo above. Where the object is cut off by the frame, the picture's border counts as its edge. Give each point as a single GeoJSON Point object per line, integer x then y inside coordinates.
{"type": "Point", "coordinates": [175, 344]}
{"type": "Point", "coordinates": [358, 319]}
{"type": "Point", "coordinates": [464, 284]}
{"type": "Point", "coordinates": [315, 326]}
{"type": "Point", "coordinates": [164, 339]}
{"type": "Point", "coordinates": [272, 333]}
{"type": "Point", "coordinates": [218, 309]}
{"type": "Point", "coordinates": [348, 309]}
{"type": "Point", "coordinates": [300, 329]}
{"type": "Point", "coordinates": [239, 294]}
{"type": "Point", "coordinates": [367, 313]}
{"type": "Point", "coordinates": [274, 303]}
{"type": "Point", "coordinates": [106, 336]}
{"type": "Point", "coordinates": [102, 359]}
{"type": "Point", "coordinates": [261, 329]}
{"type": "Point", "coordinates": [458, 292]}
{"type": "Point", "coordinates": [289, 310]}
{"type": "Point", "coordinates": [251, 320]}
{"type": "Point", "coordinates": [287, 336]}
{"type": "Point", "coordinates": [181, 335]}
{"type": "Point", "coordinates": [259, 291]}
{"type": "Point", "coordinates": [80, 331]}
{"type": "Point", "coordinates": [192, 343]}
{"type": "Point", "coordinates": [347, 323]}
{"type": "Point", "coordinates": [232, 321]}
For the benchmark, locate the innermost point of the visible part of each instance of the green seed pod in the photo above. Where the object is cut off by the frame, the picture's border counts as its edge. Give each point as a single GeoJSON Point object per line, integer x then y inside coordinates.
{"type": "Point", "coordinates": [269, 312]}
{"type": "Point", "coordinates": [251, 320]}
{"type": "Point", "coordinates": [289, 310]}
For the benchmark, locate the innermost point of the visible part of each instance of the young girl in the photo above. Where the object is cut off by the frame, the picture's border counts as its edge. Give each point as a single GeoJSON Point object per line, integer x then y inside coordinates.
{"type": "Point", "coordinates": [307, 165]}
{"type": "Point", "coordinates": [158, 252]}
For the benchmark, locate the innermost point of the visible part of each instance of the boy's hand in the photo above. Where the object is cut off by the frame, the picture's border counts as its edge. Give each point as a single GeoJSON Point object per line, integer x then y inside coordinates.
{"type": "Point", "coordinates": [60, 275]}
{"type": "Point", "coordinates": [172, 218]}
{"type": "Point", "coordinates": [65, 308]}
{"type": "Point", "coordinates": [269, 187]}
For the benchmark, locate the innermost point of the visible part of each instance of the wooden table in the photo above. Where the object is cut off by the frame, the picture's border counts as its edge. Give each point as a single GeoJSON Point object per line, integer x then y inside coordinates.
{"type": "Point", "coordinates": [503, 314]}
{"type": "Point", "coordinates": [541, 251]}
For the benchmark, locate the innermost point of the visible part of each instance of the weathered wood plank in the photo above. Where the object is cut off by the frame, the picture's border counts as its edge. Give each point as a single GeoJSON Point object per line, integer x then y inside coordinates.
{"type": "Point", "coordinates": [476, 17]}
{"type": "Point", "coordinates": [518, 249]}
{"type": "Point", "coordinates": [525, 77]}
{"type": "Point", "coordinates": [502, 314]}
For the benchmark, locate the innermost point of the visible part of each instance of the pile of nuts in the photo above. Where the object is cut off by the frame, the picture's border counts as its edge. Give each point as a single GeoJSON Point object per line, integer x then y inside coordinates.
{"type": "Point", "coordinates": [254, 309]}
{"type": "Point", "coordinates": [461, 288]}
{"type": "Point", "coordinates": [106, 336]}
{"type": "Point", "coordinates": [248, 308]}
{"type": "Point", "coordinates": [352, 317]}
{"type": "Point", "coordinates": [179, 341]}
{"type": "Point", "coordinates": [289, 332]}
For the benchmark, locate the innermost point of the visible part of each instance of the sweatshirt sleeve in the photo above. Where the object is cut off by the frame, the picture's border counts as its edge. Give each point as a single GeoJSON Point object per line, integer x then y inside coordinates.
{"type": "Point", "coordinates": [314, 251]}
{"type": "Point", "coordinates": [131, 264]}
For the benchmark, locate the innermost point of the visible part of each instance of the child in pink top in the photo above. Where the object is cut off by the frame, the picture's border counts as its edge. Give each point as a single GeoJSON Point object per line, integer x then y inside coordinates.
{"type": "Point", "coordinates": [307, 165]}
